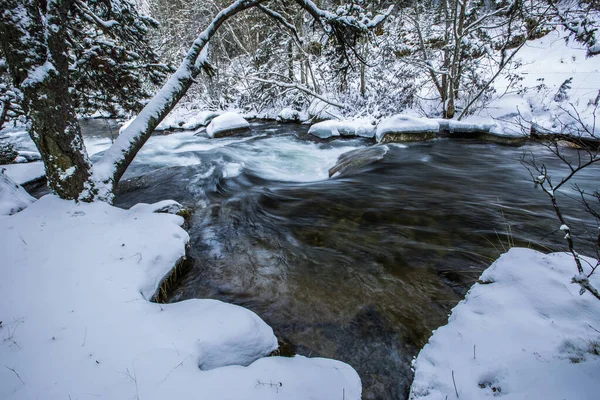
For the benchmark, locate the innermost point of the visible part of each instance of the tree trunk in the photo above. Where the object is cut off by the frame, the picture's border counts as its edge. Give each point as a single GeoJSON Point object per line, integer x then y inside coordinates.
{"type": "Point", "coordinates": [3, 113]}
{"type": "Point", "coordinates": [290, 55]}
{"type": "Point", "coordinates": [455, 69]}
{"type": "Point", "coordinates": [363, 54]}
{"type": "Point", "coordinates": [37, 58]}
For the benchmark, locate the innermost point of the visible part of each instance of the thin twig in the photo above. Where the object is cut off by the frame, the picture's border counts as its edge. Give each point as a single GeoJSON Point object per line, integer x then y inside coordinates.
{"type": "Point", "coordinates": [455, 390]}
{"type": "Point", "coordinates": [15, 372]}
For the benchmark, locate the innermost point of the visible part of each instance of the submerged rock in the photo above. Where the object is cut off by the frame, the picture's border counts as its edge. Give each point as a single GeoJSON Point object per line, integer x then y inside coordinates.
{"type": "Point", "coordinates": [227, 124]}
{"type": "Point", "coordinates": [355, 159]}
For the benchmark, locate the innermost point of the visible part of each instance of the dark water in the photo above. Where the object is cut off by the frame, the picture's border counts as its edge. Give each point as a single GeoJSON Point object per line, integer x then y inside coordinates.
{"type": "Point", "coordinates": [361, 267]}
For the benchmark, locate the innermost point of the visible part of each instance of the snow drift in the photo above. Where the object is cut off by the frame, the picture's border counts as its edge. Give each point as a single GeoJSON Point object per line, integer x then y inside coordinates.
{"type": "Point", "coordinates": [524, 332]}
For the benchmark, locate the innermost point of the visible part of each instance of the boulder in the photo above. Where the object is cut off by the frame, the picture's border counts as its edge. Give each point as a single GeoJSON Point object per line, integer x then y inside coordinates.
{"type": "Point", "coordinates": [202, 118]}
{"type": "Point", "coordinates": [227, 124]}
{"type": "Point", "coordinates": [403, 128]}
{"type": "Point", "coordinates": [359, 127]}
{"type": "Point", "coordinates": [355, 159]}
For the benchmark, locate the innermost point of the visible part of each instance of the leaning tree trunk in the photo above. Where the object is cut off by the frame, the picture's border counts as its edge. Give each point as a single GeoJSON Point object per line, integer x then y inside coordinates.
{"type": "Point", "coordinates": [110, 168]}
{"type": "Point", "coordinates": [34, 42]}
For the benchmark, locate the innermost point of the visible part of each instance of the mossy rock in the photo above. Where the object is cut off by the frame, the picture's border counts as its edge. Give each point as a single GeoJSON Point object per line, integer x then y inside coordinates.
{"type": "Point", "coordinates": [401, 137]}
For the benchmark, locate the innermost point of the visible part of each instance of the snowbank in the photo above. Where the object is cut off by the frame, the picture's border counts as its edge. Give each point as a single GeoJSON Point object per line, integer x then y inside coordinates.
{"type": "Point", "coordinates": [524, 333]}
{"type": "Point", "coordinates": [226, 123]}
{"type": "Point", "coordinates": [557, 81]}
{"type": "Point", "coordinates": [25, 172]}
{"type": "Point", "coordinates": [13, 198]}
{"type": "Point", "coordinates": [406, 128]}
{"type": "Point", "coordinates": [362, 127]}
{"type": "Point", "coordinates": [74, 284]}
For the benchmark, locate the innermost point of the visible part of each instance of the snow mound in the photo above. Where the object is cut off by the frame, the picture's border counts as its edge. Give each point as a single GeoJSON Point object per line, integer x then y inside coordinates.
{"type": "Point", "coordinates": [202, 118]}
{"type": "Point", "coordinates": [226, 123]}
{"type": "Point", "coordinates": [13, 198]}
{"type": "Point", "coordinates": [25, 172]}
{"type": "Point", "coordinates": [318, 109]}
{"type": "Point", "coordinates": [290, 115]}
{"type": "Point", "coordinates": [362, 127]}
{"type": "Point", "coordinates": [183, 118]}
{"type": "Point", "coordinates": [523, 333]}
{"type": "Point", "coordinates": [400, 125]}
{"type": "Point", "coordinates": [28, 156]}
{"type": "Point", "coordinates": [74, 284]}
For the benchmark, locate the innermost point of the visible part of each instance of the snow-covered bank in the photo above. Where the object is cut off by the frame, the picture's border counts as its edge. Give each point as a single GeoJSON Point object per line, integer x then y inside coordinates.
{"type": "Point", "coordinates": [13, 198]}
{"type": "Point", "coordinates": [523, 333]}
{"type": "Point", "coordinates": [26, 172]}
{"type": "Point", "coordinates": [408, 128]}
{"type": "Point", "coordinates": [74, 284]}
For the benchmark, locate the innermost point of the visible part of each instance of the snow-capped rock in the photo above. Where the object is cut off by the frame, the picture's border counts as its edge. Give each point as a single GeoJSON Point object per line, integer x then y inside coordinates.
{"type": "Point", "coordinates": [359, 127]}
{"type": "Point", "coordinates": [404, 128]}
{"type": "Point", "coordinates": [226, 124]}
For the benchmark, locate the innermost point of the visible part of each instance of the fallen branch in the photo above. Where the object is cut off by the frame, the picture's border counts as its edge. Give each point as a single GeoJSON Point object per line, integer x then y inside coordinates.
{"type": "Point", "coordinates": [15, 372]}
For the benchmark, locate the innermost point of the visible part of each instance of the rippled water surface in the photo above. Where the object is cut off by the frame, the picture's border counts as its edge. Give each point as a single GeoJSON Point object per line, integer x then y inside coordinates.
{"type": "Point", "coordinates": [361, 267]}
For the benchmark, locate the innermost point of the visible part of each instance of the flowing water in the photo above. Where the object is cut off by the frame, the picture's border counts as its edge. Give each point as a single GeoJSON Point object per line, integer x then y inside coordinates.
{"type": "Point", "coordinates": [361, 267]}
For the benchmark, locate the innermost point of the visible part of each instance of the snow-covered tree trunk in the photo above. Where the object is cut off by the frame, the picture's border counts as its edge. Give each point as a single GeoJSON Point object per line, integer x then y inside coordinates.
{"type": "Point", "coordinates": [34, 42]}
{"type": "Point", "coordinates": [34, 38]}
{"type": "Point", "coordinates": [111, 167]}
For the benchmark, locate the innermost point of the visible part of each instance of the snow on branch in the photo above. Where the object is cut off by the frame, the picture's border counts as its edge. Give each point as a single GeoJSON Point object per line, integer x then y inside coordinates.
{"type": "Point", "coordinates": [92, 17]}
{"type": "Point", "coordinates": [280, 19]}
{"type": "Point", "coordinates": [297, 87]}
{"type": "Point", "coordinates": [361, 23]}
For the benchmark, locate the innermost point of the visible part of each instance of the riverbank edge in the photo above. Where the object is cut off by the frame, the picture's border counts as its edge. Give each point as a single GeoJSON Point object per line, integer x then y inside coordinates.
{"type": "Point", "coordinates": [107, 263]}
{"type": "Point", "coordinates": [522, 331]}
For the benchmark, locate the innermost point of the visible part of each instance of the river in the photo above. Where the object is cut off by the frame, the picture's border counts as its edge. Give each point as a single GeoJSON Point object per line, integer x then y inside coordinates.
{"type": "Point", "coordinates": [360, 267]}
